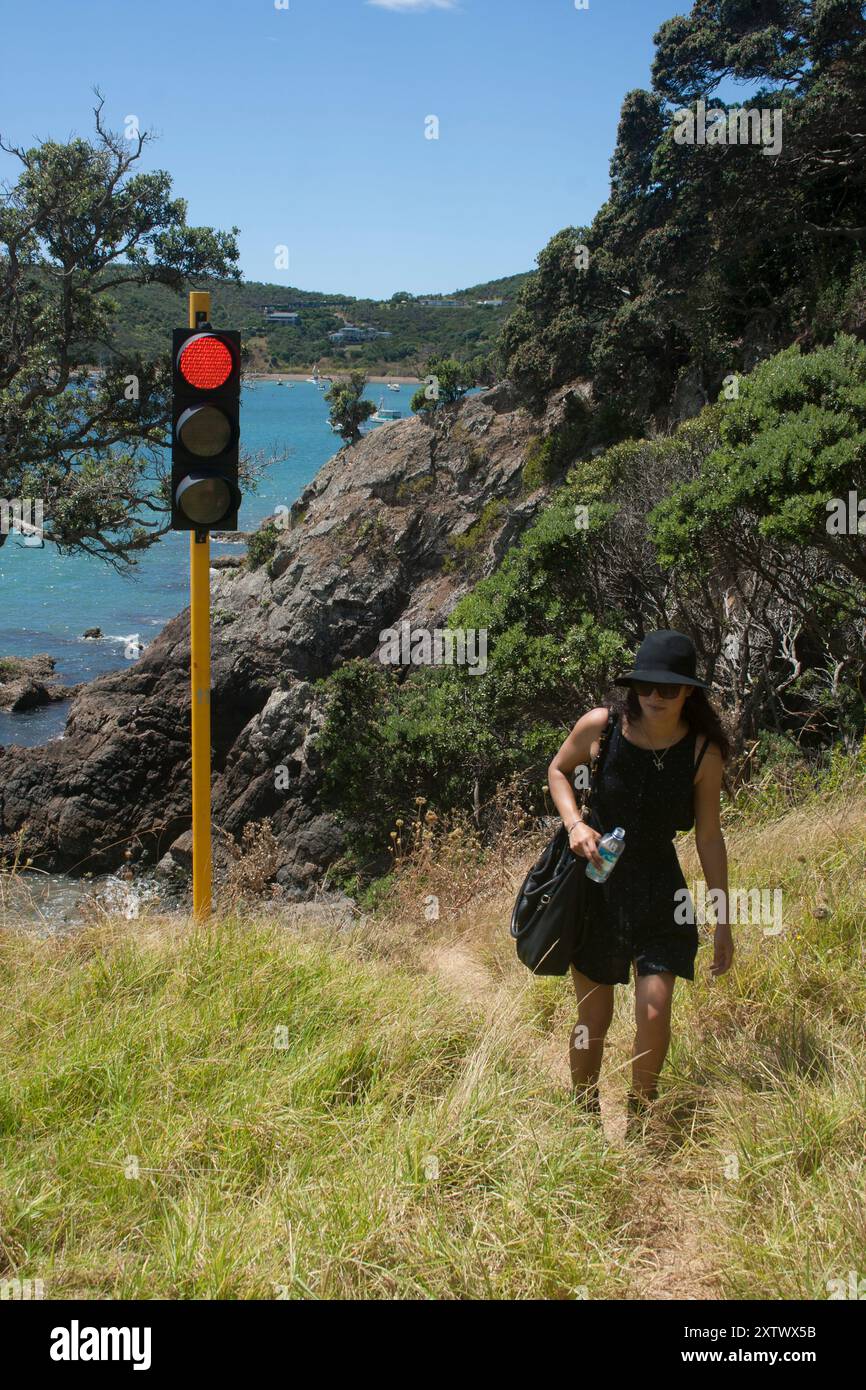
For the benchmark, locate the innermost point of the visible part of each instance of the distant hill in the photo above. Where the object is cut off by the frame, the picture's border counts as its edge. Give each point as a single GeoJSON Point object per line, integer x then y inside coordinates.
{"type": "Point", "coordinates": [421, 326]}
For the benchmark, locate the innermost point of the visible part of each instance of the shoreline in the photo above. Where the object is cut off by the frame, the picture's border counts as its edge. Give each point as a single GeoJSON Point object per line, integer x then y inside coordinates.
{"type": "Point", "coordinates": [305, 376]}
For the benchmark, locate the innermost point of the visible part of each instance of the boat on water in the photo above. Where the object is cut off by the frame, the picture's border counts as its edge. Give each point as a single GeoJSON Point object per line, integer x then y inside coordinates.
{"type": "Point", "coordinates": [393, 386]}
{"type": "Point", "coordinates": [383, 416]}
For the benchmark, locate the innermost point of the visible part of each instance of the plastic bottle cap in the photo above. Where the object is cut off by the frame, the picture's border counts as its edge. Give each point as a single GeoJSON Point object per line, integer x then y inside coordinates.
{"type": "Point", "coordinates": [618, 833]}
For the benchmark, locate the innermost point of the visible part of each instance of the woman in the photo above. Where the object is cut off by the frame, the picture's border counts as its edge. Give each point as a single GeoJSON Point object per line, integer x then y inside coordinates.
{"type": "Point", "coordinates": [661, 772]}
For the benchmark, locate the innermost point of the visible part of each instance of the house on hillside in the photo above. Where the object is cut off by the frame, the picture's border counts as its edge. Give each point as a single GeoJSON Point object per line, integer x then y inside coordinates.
{"type": "Point", "coordinates": [351, 334]}
{"type": "Point", "coordinates": [280, 313]}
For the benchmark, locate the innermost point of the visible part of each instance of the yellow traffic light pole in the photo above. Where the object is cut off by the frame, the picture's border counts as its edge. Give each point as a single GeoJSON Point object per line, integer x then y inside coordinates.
{"type": "Point", "coordinates": [199, 624]}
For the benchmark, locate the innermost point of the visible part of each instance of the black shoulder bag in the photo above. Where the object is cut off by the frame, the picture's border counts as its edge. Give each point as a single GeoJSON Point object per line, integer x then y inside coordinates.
{"type": "Point", "coordinates": [549, 917]}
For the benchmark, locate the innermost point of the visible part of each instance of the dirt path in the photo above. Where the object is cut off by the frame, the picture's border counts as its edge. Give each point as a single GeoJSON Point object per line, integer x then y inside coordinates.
{"type": "Point", "coordinates": [458, 968]}
{"type": "Point", "coordinates": [676, 1263]}
{"type": "Point", "coordinates": [669, 1257]}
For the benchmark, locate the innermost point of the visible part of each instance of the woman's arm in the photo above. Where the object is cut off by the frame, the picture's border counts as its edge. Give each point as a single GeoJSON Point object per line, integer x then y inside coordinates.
{"type": "Point", "coordinates": [712, 852]}
{"type": "Point", "coordinates": [577, 749]}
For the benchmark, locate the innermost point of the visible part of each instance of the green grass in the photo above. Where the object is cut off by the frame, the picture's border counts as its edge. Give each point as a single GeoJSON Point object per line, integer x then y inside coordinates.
{"type": "Point", "coordinates": [310, 1171]}
{"type": "Point", "coordinates": [775, 1063]}
{"type": "Point", "coordinates": [266, 1172]}
{"type": "Point", "coordinates": [762, 1113]}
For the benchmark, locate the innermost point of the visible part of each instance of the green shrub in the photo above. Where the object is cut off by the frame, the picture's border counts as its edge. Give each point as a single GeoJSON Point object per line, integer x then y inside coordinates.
{"type": "Point", "coordinates": [411, 488]}
{"type": "Point", "coordinates": [262, 545]}
{"type": "Point", "coordinates": [466, 551]}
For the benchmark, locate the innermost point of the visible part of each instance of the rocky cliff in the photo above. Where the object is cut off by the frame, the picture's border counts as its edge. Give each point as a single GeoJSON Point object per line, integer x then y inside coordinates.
{"type": "Point", "coordinates": [364, 551]}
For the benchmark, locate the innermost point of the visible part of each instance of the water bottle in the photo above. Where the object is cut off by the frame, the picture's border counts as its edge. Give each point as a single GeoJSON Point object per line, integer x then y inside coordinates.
{"type": "Point", "coordinates": [610, 847]}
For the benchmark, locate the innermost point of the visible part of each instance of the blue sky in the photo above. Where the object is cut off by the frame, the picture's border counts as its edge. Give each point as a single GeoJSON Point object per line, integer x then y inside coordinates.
{"type": "Point", "coordinates": [305, 126]}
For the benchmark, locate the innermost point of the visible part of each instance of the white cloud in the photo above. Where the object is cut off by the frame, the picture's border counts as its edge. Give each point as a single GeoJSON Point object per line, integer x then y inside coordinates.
{"type": "Point", "coordinates": [413, 6]}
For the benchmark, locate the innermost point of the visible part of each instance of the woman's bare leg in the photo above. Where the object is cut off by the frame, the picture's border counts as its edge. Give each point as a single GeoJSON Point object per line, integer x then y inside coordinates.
{"type": "Point", "coordinates": [653, 997]}
{"type": "Point", "coordinates": [586, 1044]}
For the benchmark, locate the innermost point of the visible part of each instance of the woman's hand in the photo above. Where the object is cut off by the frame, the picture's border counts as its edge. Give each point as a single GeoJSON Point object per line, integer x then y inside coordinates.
{"type": "Point", "coordinates": [583, 841]}
{"type": "Point", "coordinates": [724, 951]}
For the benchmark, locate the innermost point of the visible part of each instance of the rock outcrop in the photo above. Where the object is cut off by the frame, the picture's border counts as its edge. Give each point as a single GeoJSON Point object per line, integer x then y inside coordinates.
{"type": "Point", "coordinates": [28, 681]}
{"type": "Point", "coordinates": [364, 551]}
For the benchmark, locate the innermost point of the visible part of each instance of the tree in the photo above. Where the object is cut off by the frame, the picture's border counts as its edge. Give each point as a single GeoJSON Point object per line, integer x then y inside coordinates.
{"type": "Point", "coordinates": [792, 442]}
{"type": "Point", "coordinates": [78, 224]}
{"type": "Point", "coordinates": [447, 381]}
{"type": "Point", "coordinates": [708, 257]}
{"type": "Point", "coordinates": [483, 370]}
{"type": "Point", "coordinates": [349, 410]}
{"type": "Point", "coordinates": [546, 340]}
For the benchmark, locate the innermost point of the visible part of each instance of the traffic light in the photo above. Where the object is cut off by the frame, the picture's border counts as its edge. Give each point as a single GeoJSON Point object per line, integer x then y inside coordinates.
{"type": "Point", "coordinates": [205, 429]}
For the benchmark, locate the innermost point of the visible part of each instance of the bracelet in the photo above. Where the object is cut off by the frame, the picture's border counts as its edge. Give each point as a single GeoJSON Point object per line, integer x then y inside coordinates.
{"type": "Point", "coordinates": [569, 828]}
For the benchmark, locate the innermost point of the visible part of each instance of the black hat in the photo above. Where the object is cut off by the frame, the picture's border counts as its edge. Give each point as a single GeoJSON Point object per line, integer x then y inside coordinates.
{"type": "Point", "coordinates": [666, 656]}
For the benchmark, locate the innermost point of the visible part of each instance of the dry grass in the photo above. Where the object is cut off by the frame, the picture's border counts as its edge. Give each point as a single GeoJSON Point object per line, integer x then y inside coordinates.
{"type": "Point", "coordinates": [415, 1137]}
{"type": "Point", "coordinates": [755, 1157]}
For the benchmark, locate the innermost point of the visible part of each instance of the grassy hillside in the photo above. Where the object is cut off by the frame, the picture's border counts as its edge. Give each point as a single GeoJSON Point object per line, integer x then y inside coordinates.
{"type": "Point", "coordinates": [415, 1136]}
{"type": "Point", "coordinates": [148, 314]}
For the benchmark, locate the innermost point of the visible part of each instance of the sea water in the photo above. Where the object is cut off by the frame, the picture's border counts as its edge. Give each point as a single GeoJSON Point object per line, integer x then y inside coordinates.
{"type": "Point", "coordinates": [47, 600]}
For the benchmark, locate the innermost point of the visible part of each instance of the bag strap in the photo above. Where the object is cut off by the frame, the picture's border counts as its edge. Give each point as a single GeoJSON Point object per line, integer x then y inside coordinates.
{"type": "Point", "coordinates": [598, 762]}
{"type": "Point", "coordinates": [706, 745]}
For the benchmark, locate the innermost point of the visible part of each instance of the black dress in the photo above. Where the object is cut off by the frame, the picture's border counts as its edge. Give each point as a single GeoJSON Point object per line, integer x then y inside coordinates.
{"type": "Point", "coordinates": [633, 916]}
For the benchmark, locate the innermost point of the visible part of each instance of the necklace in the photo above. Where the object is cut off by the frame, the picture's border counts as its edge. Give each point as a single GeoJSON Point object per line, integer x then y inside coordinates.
{"type": "Point", "coordinates": [658, 759]}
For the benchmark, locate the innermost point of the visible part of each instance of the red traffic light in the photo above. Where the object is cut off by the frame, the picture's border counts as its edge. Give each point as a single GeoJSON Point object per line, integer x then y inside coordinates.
{"type": "Point", "coordinates": [205, 362]}
{"type": "Point", "coordinates": [205, 410]}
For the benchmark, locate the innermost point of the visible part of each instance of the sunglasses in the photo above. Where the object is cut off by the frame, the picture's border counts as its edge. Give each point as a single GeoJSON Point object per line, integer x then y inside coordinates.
{"type": "Point", "coordinates": [666, 690]}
